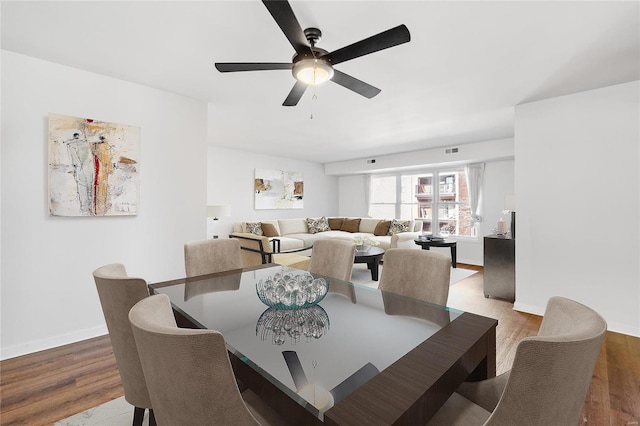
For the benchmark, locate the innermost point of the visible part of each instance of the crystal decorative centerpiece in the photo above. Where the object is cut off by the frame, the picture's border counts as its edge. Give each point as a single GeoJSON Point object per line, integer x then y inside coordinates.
{"type": "Point", "coordinates": [291, 290]}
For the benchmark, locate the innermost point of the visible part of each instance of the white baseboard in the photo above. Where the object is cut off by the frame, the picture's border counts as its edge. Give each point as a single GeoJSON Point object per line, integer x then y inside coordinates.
{"type": "Point", "coordinates": [623, 329]}
{"type": "Point", "coordinates": [611, 326]}
{"type": "Point", "coordinates": [51, 342]}
{"type": "Point", "coordinates": [469, 261]}
{"type": "Point", "coordinates": [529, 309]}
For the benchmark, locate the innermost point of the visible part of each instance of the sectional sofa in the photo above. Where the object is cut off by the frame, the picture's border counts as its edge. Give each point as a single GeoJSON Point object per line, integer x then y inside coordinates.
{"type": "Point", "coordinates": [295, 234]}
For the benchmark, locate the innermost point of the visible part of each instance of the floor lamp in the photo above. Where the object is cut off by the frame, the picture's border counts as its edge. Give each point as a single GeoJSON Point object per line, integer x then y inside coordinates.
{"type": "Point", "coordinates": [216, 212]}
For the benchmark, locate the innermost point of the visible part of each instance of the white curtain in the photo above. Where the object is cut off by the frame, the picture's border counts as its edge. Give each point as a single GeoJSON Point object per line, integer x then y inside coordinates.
{"type": "Point", "coordinates": [366, 182]}
{"type": "Point", "coordinates": [474, 173]}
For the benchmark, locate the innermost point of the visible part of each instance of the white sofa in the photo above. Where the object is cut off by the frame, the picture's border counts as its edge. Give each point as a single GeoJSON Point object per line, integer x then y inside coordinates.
{"type": "Point", "coordinates": [294, 233]}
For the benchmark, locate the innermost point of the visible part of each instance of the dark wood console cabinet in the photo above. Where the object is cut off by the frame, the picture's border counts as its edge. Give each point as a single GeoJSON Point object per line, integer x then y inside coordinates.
{"type": "Point", "coordinates": [500, 267]}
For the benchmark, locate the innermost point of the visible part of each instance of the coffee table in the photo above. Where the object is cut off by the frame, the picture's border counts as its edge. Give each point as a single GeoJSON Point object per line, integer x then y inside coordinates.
{"type": "Point", "coordinates": [372, 258]}
{"type": "Point", "coordinates": [383, 358]}
{"type": "Point", "coordinates": [426, 244]}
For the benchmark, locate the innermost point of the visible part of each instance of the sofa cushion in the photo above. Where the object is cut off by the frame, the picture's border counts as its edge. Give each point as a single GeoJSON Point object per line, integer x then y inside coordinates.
{"type": "Point", "coordinates": [350, 225]}
{"type": "Point", "coordinates": [368, 225]}
{"type": "Point", "coordinates": [269, 230]}
{"type": "Point", "coordinates": [405, 240]}
{"type": "Point", "coordinates": [398, 226]}
{"type": "Point", "coordinates": [254, 228]}
{"type": "Point", "coordinates": [293, 226]}
{"type": "Point", "coordinates": [288, 243]}
{"type": "Point", "coordinates": [317, 225]}
{"type": "Point", "coordinates": [292, 260]}
{"type": "Point", "coordinates": [382, 228]}
{"type": "Point", "coordinates": [308, 239]}
{"type": "Point", "coordinates": [335, 223]}
{"type": "Point", "coordinates": [271, 222]}
{"type": "Point", "coordinates": [350, 236]}
{"type": "Point", "coordinates": [384, 241]}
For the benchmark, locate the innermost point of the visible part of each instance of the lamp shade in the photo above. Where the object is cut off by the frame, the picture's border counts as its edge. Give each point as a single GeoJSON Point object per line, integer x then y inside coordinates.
{"type": "Point", "coordinates": [510, 202]}
{"type": "Point", "coordinates": [218, 211]}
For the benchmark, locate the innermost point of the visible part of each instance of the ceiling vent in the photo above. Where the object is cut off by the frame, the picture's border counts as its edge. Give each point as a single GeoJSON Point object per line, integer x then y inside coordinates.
{"type": "Point", "coordinates": [451, 150]}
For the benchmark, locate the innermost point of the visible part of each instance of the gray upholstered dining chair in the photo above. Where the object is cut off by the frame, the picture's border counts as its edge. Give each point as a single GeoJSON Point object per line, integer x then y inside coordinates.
{"type": "Point", "coordinates": [211, 256]}
{"type": "Point", "coordinates": [188, 371]}
{"type": "Point", "coordinates": [334, 258]}
{"type": "Point", "coordinates": [548, 381]}
{"type": "Point", "coordinates": [419, 274]}
{"type": "Point", "coordinates": [118, 293]}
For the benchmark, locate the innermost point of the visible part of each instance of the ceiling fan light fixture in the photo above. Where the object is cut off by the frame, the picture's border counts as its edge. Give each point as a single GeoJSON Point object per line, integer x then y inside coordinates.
{"type": "Point", "coordinates": [312, 71]}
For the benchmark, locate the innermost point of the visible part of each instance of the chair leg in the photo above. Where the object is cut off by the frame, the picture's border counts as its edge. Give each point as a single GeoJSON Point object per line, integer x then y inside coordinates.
{"type": "Point", "coordinates": [138, 416]}
{"type": "Point", "coordinates": [152, 418]}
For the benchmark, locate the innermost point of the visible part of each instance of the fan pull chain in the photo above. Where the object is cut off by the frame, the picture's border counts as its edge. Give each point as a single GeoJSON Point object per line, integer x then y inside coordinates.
{"type": "Point", "coordinates": [313, 98]}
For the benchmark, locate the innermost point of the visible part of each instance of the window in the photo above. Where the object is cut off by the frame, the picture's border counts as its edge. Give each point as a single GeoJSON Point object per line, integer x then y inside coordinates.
{"type": "Point", "coordinates": [383, 197]}
{"type": "Point", "coordinates": [443, 207]}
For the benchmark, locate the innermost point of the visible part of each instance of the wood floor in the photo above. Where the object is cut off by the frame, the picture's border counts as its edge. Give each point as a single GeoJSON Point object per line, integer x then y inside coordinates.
{"type": "Point", "coordinates": [41, 388]}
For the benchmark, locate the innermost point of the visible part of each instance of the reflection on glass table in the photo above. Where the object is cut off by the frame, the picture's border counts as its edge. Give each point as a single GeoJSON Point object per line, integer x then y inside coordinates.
{"type": "Point", "coordinates": [320, 397]}
{"type": "Point", "coordinates": [195, 287]}
{"type": "Point", "coordinates": [278, 324]}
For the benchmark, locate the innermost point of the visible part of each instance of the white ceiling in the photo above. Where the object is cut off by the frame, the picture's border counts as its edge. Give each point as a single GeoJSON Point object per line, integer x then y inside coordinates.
{"type": "Point", "coordinates": [467, 64]}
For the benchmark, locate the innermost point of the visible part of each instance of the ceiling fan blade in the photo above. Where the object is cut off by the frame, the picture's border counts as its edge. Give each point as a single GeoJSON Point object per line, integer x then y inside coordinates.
{"type": "Point", "coordinates": [352, 83]}
{"type": "Point", "coordinates": [295, 94]}
{"type": "Point", "coordinates": [384, 40]}
{"type": "Point", "coordinates": [288, 23]}
{"type": "Point", "coordinates": [251, 66]}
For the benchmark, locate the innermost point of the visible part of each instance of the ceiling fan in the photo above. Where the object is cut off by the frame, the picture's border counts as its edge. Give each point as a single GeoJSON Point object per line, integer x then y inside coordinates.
{"type": "Point", "coordinates": [312, 65]}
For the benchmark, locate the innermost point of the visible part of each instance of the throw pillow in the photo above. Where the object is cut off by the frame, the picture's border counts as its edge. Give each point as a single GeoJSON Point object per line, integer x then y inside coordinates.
{"type": "Point", "coordinates": [350, 225]}
{"type": "Point", "coordinates": [335, 223]}
{"type": "Point", "coordinates": [382, 228]}
{"type": "Point", "coordinates": [317, 225]}
{"type": "Point", "coordinates": [269, 230]}
{"type": "Point", "coordinates": [254, 228]}
{"type": "Point", "coordinates": [398, 226]}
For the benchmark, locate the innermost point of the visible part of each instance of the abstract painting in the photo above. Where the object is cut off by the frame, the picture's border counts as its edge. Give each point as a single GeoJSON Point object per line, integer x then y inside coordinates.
{"type": "Point", "coordinates": [93, 167]}
{"type": "Point", "coordinates": [278, 189]}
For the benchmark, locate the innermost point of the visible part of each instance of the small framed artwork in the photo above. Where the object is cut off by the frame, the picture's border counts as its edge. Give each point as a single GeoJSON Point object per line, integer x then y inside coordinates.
{"type": "Point", "coordinates": [278, 189]}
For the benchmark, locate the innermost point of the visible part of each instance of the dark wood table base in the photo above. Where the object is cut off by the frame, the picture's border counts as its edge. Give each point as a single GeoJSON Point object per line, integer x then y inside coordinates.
{"type": "Point", "coordinates": [372, 258]}
{"type": "Point", "coordinates": [427, 383]}
{"type": "Point", "coordinates": [427, 244]}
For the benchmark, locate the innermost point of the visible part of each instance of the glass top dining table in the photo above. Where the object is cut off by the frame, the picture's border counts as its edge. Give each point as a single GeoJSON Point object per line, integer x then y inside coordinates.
{"type": "Point", "coordinates": [358, 356]}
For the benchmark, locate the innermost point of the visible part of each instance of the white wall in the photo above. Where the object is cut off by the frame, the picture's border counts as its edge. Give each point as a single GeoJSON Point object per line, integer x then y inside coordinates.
{"type": "Point", "coordinates": [230, 175]}
{"type": "Point", "coordinates": [48, 293]}
{"type": "Point", "coordinates": [351, 196]}
{"type": "Point", "coordinates": [577, 193]}
{"type": "Point", "coordinates": [498, 182]}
